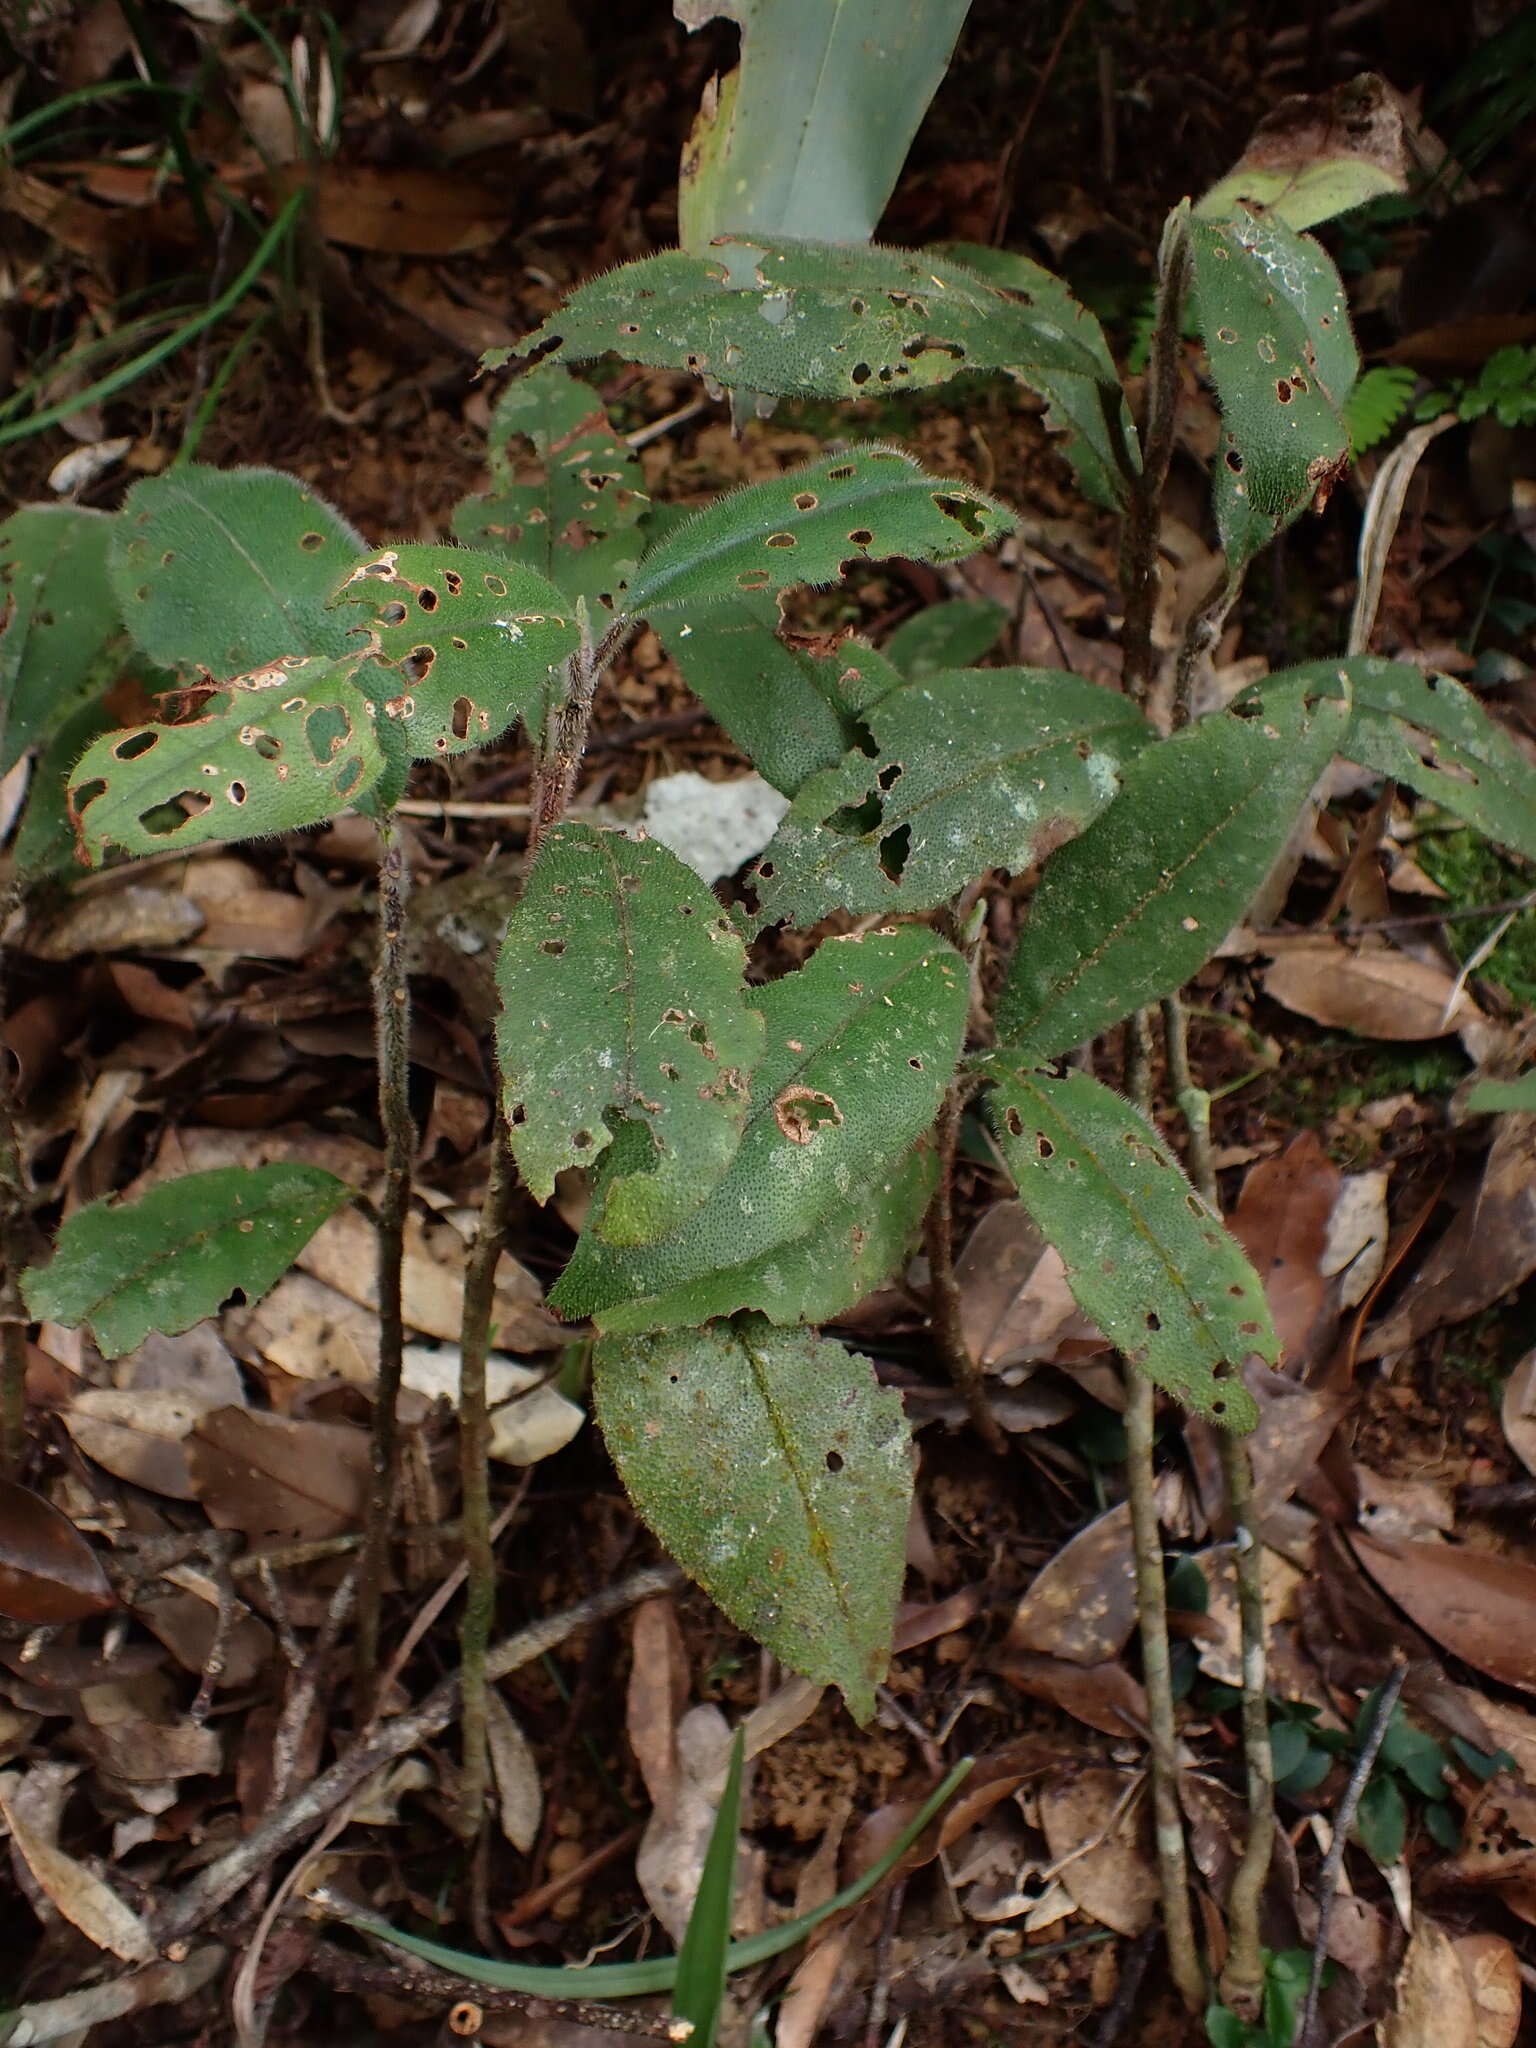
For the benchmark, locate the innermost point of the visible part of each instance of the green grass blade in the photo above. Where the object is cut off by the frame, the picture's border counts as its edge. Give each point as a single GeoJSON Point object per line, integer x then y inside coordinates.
{"type": "Point", "coordinates": [703, 1961]}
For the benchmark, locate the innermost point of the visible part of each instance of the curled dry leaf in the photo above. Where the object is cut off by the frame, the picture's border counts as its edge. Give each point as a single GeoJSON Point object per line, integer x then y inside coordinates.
{"type": "Point", "coordinates": [1281, 1221]}
{"type": "Point", "coordinates": [519, 1787]}
{"type": "Point", "coordinates": [658, 1693]}
{"type": "Point", "coordinates": [1480, 1607]}
{"type": "Point", "coordinates": [1492, 1971]}
{"type": "Point", "coordinates": [83, 1899]}
{"type": "Point", "coordinates": [1015, 1304]}
{"type": "Point", "coordinates": [1434, 2007]}
{"type": "Point", "coordinates": [1098, 1828]}
{"type": "Point", "coordinates": [670, 1860]}
{"type": "Point", "coordinates": [1519, 1411]}
{"type": "Point", "coordinates": [138, 1435]}
{"type": "Point", "coordinates": [1376, 992]}
{"type": "Point", "coordinates": [1103, 1696]}
{"type": "Point", "coordinates": [49, 1574]}
{"type": "Point", "coordinates": [1082, 1606]}
{"type": "Point", "coordinates": [1498, 1836]}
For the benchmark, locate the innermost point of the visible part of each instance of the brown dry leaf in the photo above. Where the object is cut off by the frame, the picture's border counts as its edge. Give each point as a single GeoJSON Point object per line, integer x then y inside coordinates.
{"type": "Point", "coordinates": [1082, 1606]}
{"type": "Point", "coordinates": [1015, 1304]}
{"type": "Point", "coordinates": [31, 1806]}
{"type": "Point", "coordinates": [49, 1574]}
{"type": "Point", "coordinates": [1281, 1221]}
{"type": "Point", "coordinates": [658, 1693]}
{"type": "Point", "coordinates": [135, 919]}
{"type": "Point", "coordinates": [471, 328]}
{"type": "Point", "coordinates": [129, 1727]}
{"type": "Point", "coordinates": [398, 212]}
{"type": "Point", "coordinates": [1098, 1829]}
{"type": "Point", "coordinates": [1498, 1836]}
{"type": "Point", "coordinates": [1103, 1696]}
{"type": "Point", "coordinates": [138, 1435]}
{"type": "Point", "coordinates": [1375, 992]}
{"type": "Point", "coordinates": [1519, 1411]}
{"type": "Point", "coordinates": [519, 1787]}
{"type": "Point", "coordinates": [1434, 2006]}
{"type": "Point", "coordinates": [1492, 1971]}
{"type": "Point", "coordinates": [1480, 1607]}
{"type": "Point", "coordinates": [670, 1859]}
{"type": "Point", "coordinates": [1489, 1249]}
{"type": "Point", "coordinates": [271, 1476]}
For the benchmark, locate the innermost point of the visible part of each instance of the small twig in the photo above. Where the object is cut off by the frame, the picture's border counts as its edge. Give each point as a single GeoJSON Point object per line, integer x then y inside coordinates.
{"type": "Point", "coordinates": [414, 1983]}
{"type": "Point", "coordinates": [880, 1991]}
{"type": "Point", "coordinates": [392, 1032]}
{"type": "Point", "coordinates": [1242, 1978]}
{"type": "Point", "coordinates": [1333, 1862]}
{"type": "Point", "coordinates": [55, 2019]}
{"type": "Point", "coordinates": [1194, 1103]}
{"type": "Point", "coordinates": [944, 1307]}
{"type": "Point", "coordinates": [535, 1904]}
{"type": "Point", "coordinates": [1448, 915]}
{"type": "Point", "coordinates": [299, 1703]}
{"type": "Point", "coordinates": [231, 1872]}
{"type": "Point", "coordinates": [1120, 2008]}
{"type": "Point", "coordinates": [475, 1482]}
{"type": "Point", "coordinates": [1007, 177]}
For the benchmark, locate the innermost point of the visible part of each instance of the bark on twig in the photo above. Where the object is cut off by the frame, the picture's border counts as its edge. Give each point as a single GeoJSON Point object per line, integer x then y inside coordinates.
{"type": "Point", "coordinates": [944, 1311]}
{"type": "Point", "coordinates": [1242, 1978]}
{"type": "Point", "coordinates": [57, 2019]}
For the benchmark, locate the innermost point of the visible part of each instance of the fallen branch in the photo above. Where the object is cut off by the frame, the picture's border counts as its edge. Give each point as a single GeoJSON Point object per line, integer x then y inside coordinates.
{"type": "Point", "coordinates": [215, 1886]}
{"type": "Point", "coordinates": [56, 2019]}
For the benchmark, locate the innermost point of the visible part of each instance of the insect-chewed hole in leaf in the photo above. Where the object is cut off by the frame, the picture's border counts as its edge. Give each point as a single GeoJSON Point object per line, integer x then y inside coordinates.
{"type": "Point", "coordinates": [1154, 1320]}
{"type": "Point", "coordinates": [834, 1461]}
{"type": "Point", "coordinates": [753, 579]}
{"type": "Point", "coordinates": [266, 744]}
{"type": "Point", "coordinates": [630, 882]}
{"type": "Point", "coordinates": [964, 511]}
{"type": "Point", "coordinates": [859, 374]}
{"type": "Point", "coordinates": [894, 848]}
{"type": "Point", "coordinates": [1014, 1122]}
{"type": "Point", "coordinates": [349, 775]}
{"type": "Point", "coordinates": [861, 536]}
{"type": "Point", "coordinates": [1283, 390]}
{"type": "Point", "coordinates": [686, 909]}
{"type": "Point", "coordinates": [236, 792]}
{"type": "Point", "coordinates": [843, 471]}
{"type": "Point", "coordinates": [310, 541]}
{"type": "Point", "coordinates": [136, 745]}
{"type": "Point", "coordinates": [1234, 460]}
{"type": "Point", "coordinates": [162, 821]}
{"type": "Point", "coordinates": [800, 1112]}
{"type": "Point", "coordinates": [417, 665]}
{"type": "Point", "coordinates": [698, 1033]}
{"type": "Point", "coordinates": [463, 712]}
{"type": "Point", "coordinates": [327, 729]}
{"type": "Point", "coordinates": [1226, 334]}
{"type": "Point", "coordinates": [496, 585]}
{"type": "Point", "coordinates": [554, 947]}
{"type": "Point", "coordinates": [668, 1070]}
{"type": "Point", "coordinates": [781, 540]}
{"type": "Point", "coordinates": [765, 870]}
{"type": "Point", "coordinates": [167, 558]}
{"type": "Point", "coordinates": [806, 501]}
{"type": "Point", "coordinates": [1266, 349]}
{"type": "Point", "coordinates": [581, 1140]}
{"type": "Point", "coordinates": [857, 308]}
{"type": "Point", "coordinates": [427, 598]}
{"type": "Point", "coordinates": [518, 1113]}
{"type": "Point", "coordinates": [915, 1064]}
{"type": "Point", "coordinates": [142, 593]}
{"type": "Point", "coordinates": [392, 614]}
{"type": "Point", "coordinates": [1197, 1208]}
{"type": "Point", "coordinates": [1044, 1146]}
{"type": "Point", "coordinates": [889, 775]}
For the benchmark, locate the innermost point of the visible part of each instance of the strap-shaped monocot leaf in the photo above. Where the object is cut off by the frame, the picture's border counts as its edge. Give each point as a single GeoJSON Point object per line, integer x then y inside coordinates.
{"type": "Point", "coordinates": [229, 570]}
{"type": "Point", "coordinates": [1128, 911]}
{"type": "Point", "coordinates": [1272, 314]}
{"type": "Point", "coordinates": [977, 769]}
{"type": "Point", "coordinates": [567, 494]}
{"type": "Point", "coordinates": [475, 641]}
{"type": "Point", "coordinates": [778, 1474]}
{"type": "Point", "coordinates": [621, 990]}
{"type": "Point", "coordinates": [59, 620]}
{"type": "Point", "coordinates": [286, 747]}
{"type": "Point", "coordinates": [866, 504]}
{"type": "Point", "coordinates": [1144, 1255]}
{"type": "Point", "coordinates": [822, 320]}
{"type": "Point", "coordinates": [861, 1043]}
{"type": "Point", "coordinates": [172, 1257]}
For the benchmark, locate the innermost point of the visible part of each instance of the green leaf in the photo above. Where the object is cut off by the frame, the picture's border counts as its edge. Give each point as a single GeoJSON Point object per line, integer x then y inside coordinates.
{"type": "Point", "coordinates": [1087, 407]}
{"type": "Point", "coordinates": [789, 711]}
{"type": "Point", "coordinates": [229, 570]}
{"type": "Point", "coordinates": [1488, 1097]}
{"type": "Point", "coordinates": [861, 1044]}
{"type": "Point", "coordinates": [1223, 2028]}
{"type": "Point", "coordinates": [703, 1961]}
{"type": "Point", "coordinates": [1128, 911]}
{"type": "Point", "coordinates": [1305, 1776]}
{"type": "Point", "coordinates": [1288, 1746]}
{"type": "Point", "coordinates": [286, 747]}
{"type": "Point", "coordinates": [950, 635]}
{"type": "Point", "coordinates": [1286, 1977]}
{"type": "Point", "coordinates": [814, 320]}
{"type": "Point", "coordinates": [567, 493]}
{"type": "Point", "coordinates": [1377, 402]}
{"type": "Point", "coordinates": [621, 993]}
{"type": "Point", "coordinates": [807, 137]}
{"type": "Point", "coordinates": [1316, 157]}
{"type": "Point", "coordinates": [779, 1475]}
{"type": "Point", "coordinates": [169, 1259]}
{"type": "Point", "coordinates": [475, 640]}
{"type": "Point", "coordinates": [59, 623]}
{"type": "Point", "coordinates": [1442, 1825]}
{"type": "Point", "coordinates": [1145, 1256]}
{"type": "Point", "coordinates": [45, 840]}
{"type": "Point", "coordinates": [1418, 1756]}
{"type": "Point", "coordinates": [866, 504]}
{"type": "Point", "coordinates": [1272, 313]}
{"type": "Point", "coordinates": [1382, 1820]}
{"type": "Point", "coordinates": [659, 1973]}
{"type": "Point", "coordinates": [853, 1248]}
{"type": "Point", "coordinates": [977, 769]}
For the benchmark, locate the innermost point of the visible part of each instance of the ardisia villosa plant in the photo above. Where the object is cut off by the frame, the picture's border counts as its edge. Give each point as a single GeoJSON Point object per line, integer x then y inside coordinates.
{"type": "Point", "coordinates": [764, 1152]}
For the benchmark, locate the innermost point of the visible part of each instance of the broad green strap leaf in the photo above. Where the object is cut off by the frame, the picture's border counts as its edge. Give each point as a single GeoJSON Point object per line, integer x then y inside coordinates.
{"type": "Point", "coordinates": [808, 135]}
{"type": "Point", "coordinates": [59, 621]}
{"type": "Point", "coordinates": [1489, 1097]}
{"type": "Point", "coordinates": [567, 494]}
{"type": "Point", "coordinates": [1313, 158]}
{"type": "Point", "coordinates": [1088, 409]}
{"type": "Point", "coordinates": [861, 1044]}
{"type": "Point", "coordinates": [1128, 911]}
{"type": "Point", "coordinates": [814, 320]}
{"type": "Point", "coordinates": [704, 1960]}
{"type": "Point", "coordinates": [1144, 1255]}
{"type": "Point", "coordinates": [475, 639]}
{"type": "Point", "coordinates": [977, 769]}
{"type": "Point", "coordinates": [778, 1473]}
{"type": "Point", "coordinates": [169, 1259]}
{"type": "Point", "coordinates": [659, 1973]}
{"type": "Point", "coordinates": [230, 569]}
{"type": "Point", "coordinates": [953, 634]}
{"type": "Point", "coordinates": [286, 747]}
{"type": "Point", "coordinates": [852, 1249]}
{"type": "Point", "coordinates": [1272, 313]}
{"type": "Point", "coordinates": [790, 711]}
{"type": "Point", "coordinates": [621, 991]}
{"type": "Point", "coordinates": [866, 504]}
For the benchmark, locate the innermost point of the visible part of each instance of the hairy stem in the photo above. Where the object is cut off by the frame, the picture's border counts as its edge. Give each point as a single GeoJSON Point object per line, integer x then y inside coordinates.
{"type": "Point", "coordinates": [474, 1477]}
{"type": "Point", "coordinates": [1194, 1103]}
{"type": "Point", "coordinates": [944, 1314]}
{"type": "Point", "coordinates": [392, 1036]}
{"type": "Point", "coordinates": [1242, 1980]}
{"type": "Point", "coordinates": [566, 739]}
{"type": "Point", "coordinates": [1139, 547]}
{"type": "Point", "coordinates": [15, 1248]}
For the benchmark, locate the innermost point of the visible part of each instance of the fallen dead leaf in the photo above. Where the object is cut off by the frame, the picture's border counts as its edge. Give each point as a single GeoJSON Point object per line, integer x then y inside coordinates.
{"type": "Point", "coordinates": [1492, 1971]}
{"type": "Point", "coordinates": [32, 1805]}
{"type": "Point", "coordinates": [1519, 1411]}
{"type": "Point", "coordinates": [1357, 1235]}
{"type": "Point", "coordinates": [1376, 992]}
{"type": "Point", "coordinates": [1082, 1605]}
{"type": "Point", "coordinates": [49, 1574]}
{"type": "Point", "coordinates": [269, 1475]}
{"type": "Point", "coordinates": [398, 212]}
{"type": "Point", "coordinates": [1098, 1829]}
{"type": "Point", "coordinates": [658, 1693]}
{"type": "Point", "coordinates": [1434, 2007]}
{"type": "Point", "coordinates": [1480, 1607]}
{"type": "Point", "coordinates": [1498, 1836]}
{"type": "Point", "coordinates": [138, 1435]}
{"type": "Point", "coordinates": [670, 1859]}
{"type": "Point", "coordinates": [1103, 1696]}
{"type": "Point", "coordinates": [519, 1787]}
{"type": "Point", "coordinates": [1015, 1304]}
{"type": "Point", "coordinates": [1282, 1221]}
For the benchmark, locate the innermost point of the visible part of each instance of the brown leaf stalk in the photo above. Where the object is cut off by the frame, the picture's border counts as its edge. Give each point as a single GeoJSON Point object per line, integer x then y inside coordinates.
{"type": "Point", "coordinates": [944, 1310]}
